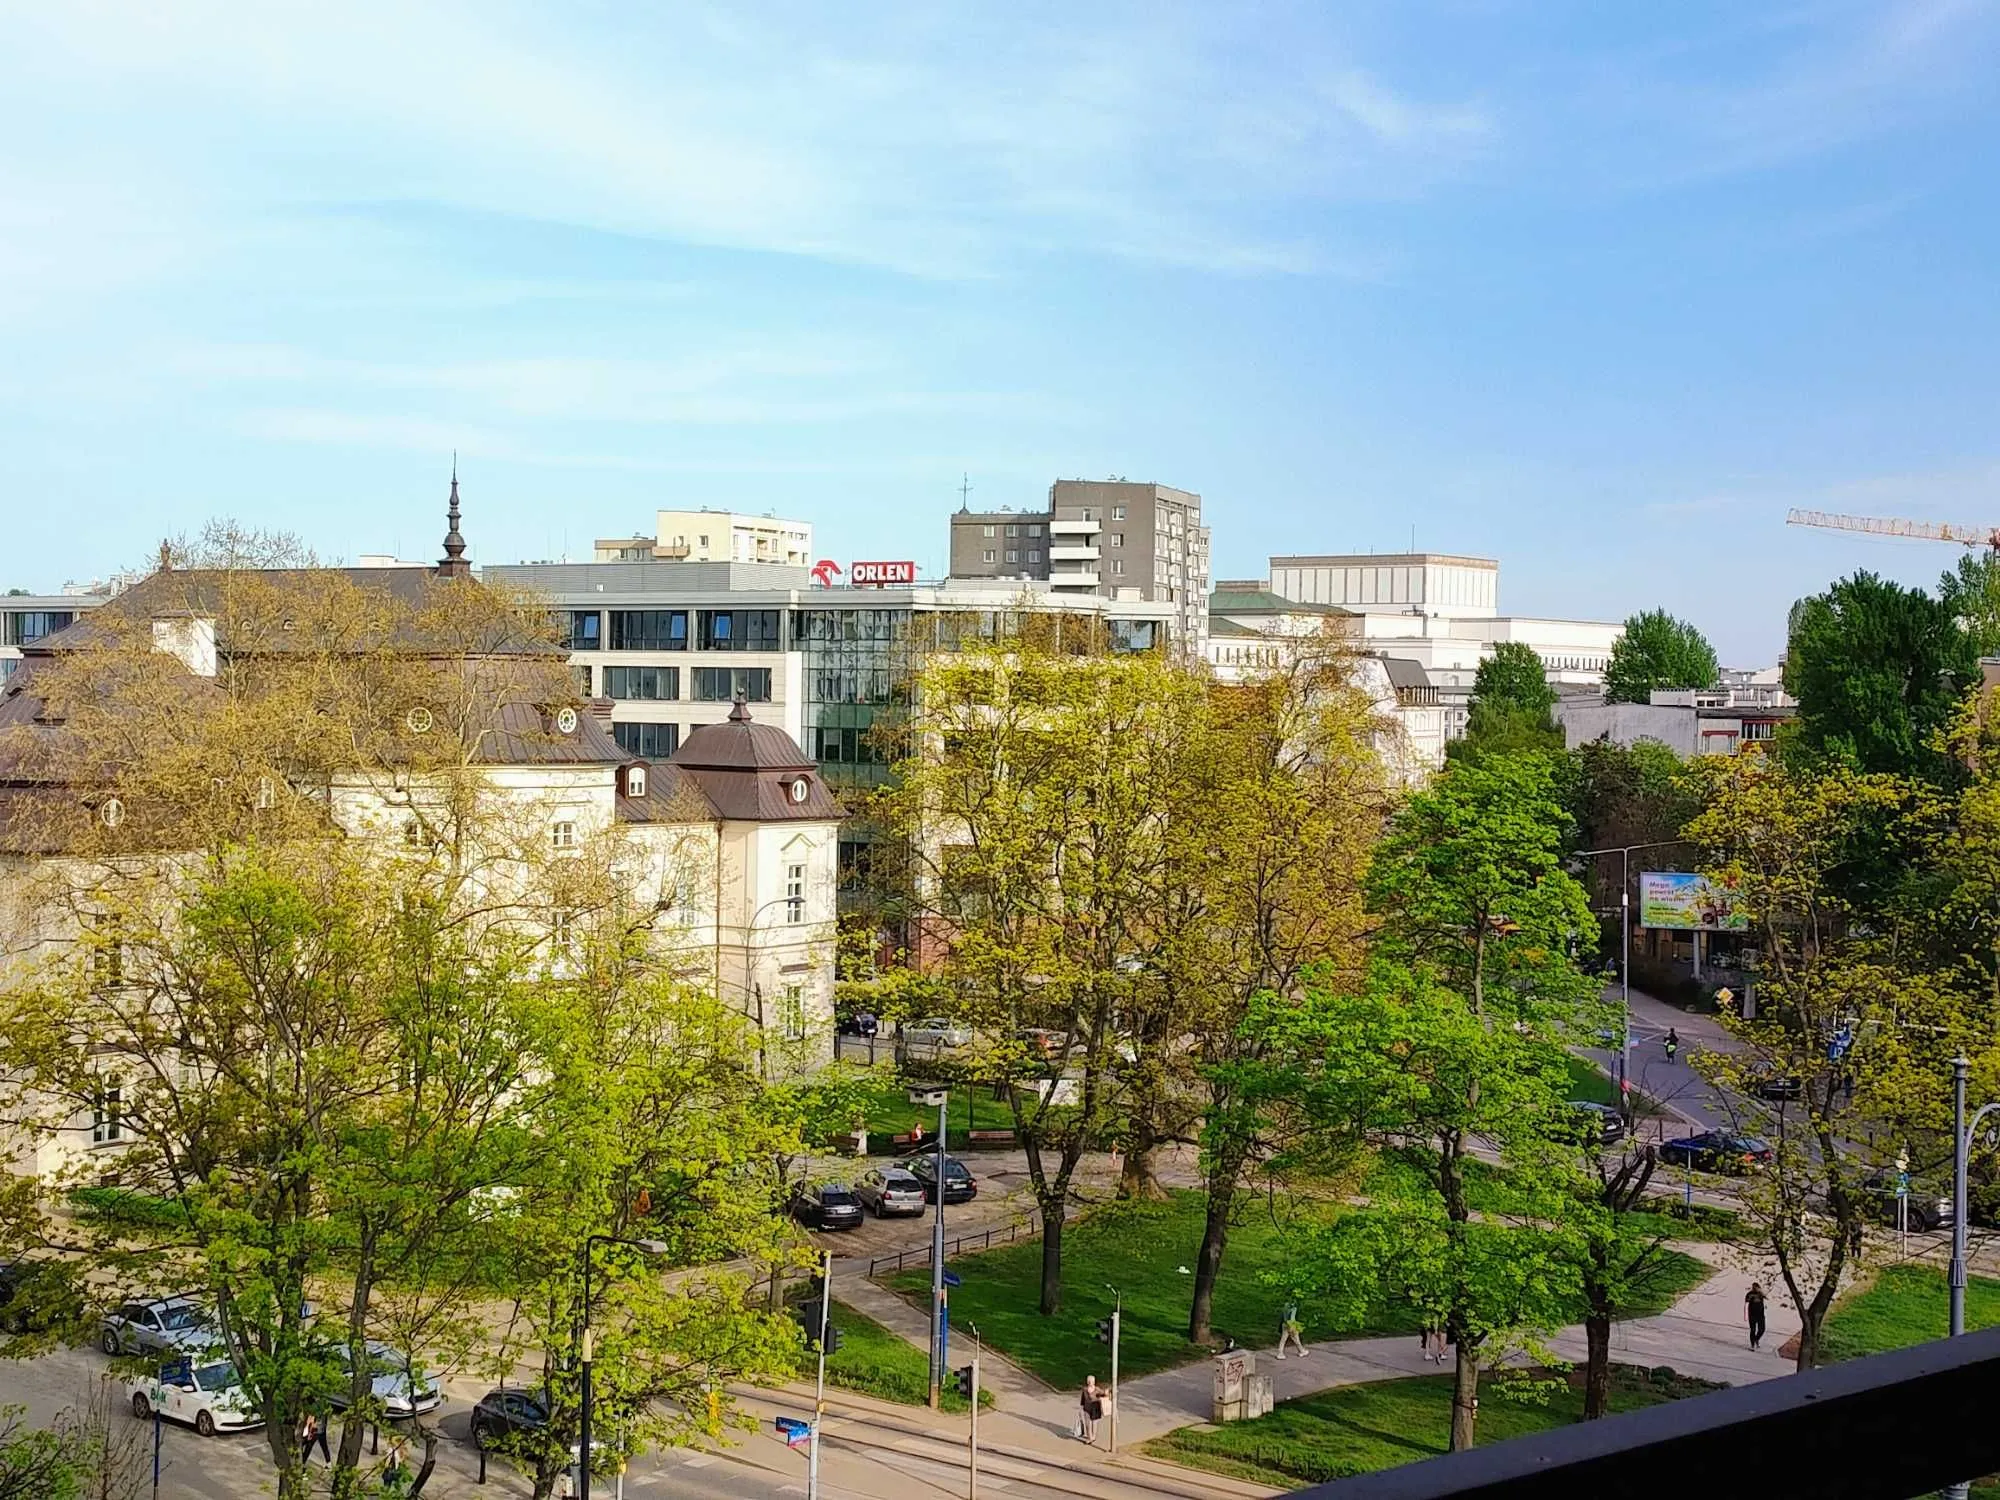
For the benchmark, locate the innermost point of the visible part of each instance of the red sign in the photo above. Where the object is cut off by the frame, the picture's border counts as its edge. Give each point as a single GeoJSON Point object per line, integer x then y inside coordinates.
{"type": "Point", "coordinates": [825, 571]}
{"type": "Point", "coordinates": [879, 573]}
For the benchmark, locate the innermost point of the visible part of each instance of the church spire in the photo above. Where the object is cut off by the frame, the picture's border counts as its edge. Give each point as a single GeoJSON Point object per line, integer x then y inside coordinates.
{"type": "Point", "coordinates": [453, 563]}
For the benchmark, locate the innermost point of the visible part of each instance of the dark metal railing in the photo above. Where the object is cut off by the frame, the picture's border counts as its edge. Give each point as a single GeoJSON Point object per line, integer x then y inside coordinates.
{"type": "Point", "coordinates": [1000, 1234]}
{"type": "Point", "coordinates": [1888, 1427]}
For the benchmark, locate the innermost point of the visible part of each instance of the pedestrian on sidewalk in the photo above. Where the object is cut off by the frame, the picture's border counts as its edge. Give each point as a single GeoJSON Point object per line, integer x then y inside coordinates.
{"type": "Point", "coordinates": [1753, 1307]}
{"type": "Point", "coordinates": [1673, 1043]}
{"type": "Point", "coordinates": [310, 1432]}
{"type": "Point", "coordinates": [1289, 1330]}
{"type": "Point", "coordinates": [1090, 1410]}
{"type": "Point", "coordinates": [1431, 1341]}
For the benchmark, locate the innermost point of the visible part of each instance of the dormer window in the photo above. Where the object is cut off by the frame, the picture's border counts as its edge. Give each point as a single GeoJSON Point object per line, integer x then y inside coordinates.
{"type": "Point", "coordinates": [563, 835]}
{"type": "Point", "coordinates": [635, 781]}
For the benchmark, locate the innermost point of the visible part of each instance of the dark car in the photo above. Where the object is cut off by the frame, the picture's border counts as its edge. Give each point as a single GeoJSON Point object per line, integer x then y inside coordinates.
{"type": "Point", "coordinates": [1768, 1082]}
{"type": "Point", "coordinates": [826, 1205]}
{"type": "Point", "coordinates": [507, 1413]}
{"type": "Point", "coordinates": [36, 1295]}
{"type": "Point", "coordinates": [1927, 1208]}
{"type": "Point", "coordinates": [858, 1023]}
{"type": "Point", "coordinates": [1718, 1151]}
{"type": "Point", "coordinates": [1600, 1124]}
{"type": "Point", "coordinates": [890, 1190]}
{"type": "Point", "coordinates": [958, 1184]}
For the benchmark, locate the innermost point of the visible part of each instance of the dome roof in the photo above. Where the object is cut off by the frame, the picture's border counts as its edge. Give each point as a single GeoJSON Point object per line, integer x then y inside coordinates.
{"type": "Point", "coordinates": [741, 744]}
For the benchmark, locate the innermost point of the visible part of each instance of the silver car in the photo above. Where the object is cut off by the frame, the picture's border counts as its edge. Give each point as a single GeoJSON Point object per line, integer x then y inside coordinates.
{"type": "Point", "coordinates": [165, 1326]}
{"type": "Point", "coordinates": [890, 1191]}
{"type": "Point", "coordinates": [933, 1037]}
{"type": "Point", "coordinates": [399, 1390]}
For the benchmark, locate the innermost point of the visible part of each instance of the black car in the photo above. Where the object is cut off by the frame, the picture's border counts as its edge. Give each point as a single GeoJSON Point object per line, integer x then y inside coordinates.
{"type": "Point", "coordinates": [858, 1023]}
{"type": "Point", "coordinates": [1600, 1124]}
{"type": "Point", "coordinates": [1718, 1151]}
{"type": "Point", "coordinates": [1927, 1208]}
{"type": "Point", "coordinates": [958, 1184]}
{"type": "Point", "coordinates": [507, 1413]}
{"type": "Point", "coordinates": [36, 1295]}
{"type": "Point", "coordinates": [1768, 1082]}
{"type": "Point", "coordinates": [826, 1205]}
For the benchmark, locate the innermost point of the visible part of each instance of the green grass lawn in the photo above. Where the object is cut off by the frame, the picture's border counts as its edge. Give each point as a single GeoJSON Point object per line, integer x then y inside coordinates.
{"type": "Point", "coordinates": [875, 1362]}
{"type": "Point", "coordinates": [1140, 1248]}
{"type": "Point", "coordinates": [1590, 1083]}
{"type": "Point", "coordinates": [1360, 1428]}
{"type": "Point", "coordinates": [887, 1100]}
{"type": "Point", "coordinates": [1905, 1305]}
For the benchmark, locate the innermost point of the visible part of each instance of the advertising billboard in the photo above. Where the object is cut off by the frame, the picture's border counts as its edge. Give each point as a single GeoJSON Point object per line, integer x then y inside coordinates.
{"type": "Point", "coordinates": [1687, 902]}
{"type": "Point", "coordinates": [879, 573]}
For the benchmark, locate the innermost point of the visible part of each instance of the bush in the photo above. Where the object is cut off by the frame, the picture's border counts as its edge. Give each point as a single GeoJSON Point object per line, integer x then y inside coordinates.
{"type": "Point", "coordinates": [135, 1210]}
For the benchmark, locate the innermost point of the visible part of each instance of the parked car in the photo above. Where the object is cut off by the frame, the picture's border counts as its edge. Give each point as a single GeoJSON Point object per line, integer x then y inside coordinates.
{"type": "Point", "coordinates": [1600, 1124]}
{"type": "Point", "coordinates": [165, 1326]}
{"type": "Point", "coordinates": [36, 1294]}
{"type": "Point", "coordinates": [1929, 1207]}
{"type": "Point", "coordinates": [826, 1205]}
{"type": "Point", "coordinates": [858, 1023]}
{"type": "Point", "coordinates": [890, 1191]}
{"type": "Point", "coordinates": [507, 1413]}
{"type": "Point", "coordinates": [958, 1184]}
{"type": "Point", "coordinates": [933, 1037]}
{"type": "Point", "coordinates": [1718, 1151]}
{"type": "Point", "coordinates": [1040, 1042]}
{"type": "Point", "coordinates": [398, 1390]}
{"type": "Point", "coordinates": [208, 1395]}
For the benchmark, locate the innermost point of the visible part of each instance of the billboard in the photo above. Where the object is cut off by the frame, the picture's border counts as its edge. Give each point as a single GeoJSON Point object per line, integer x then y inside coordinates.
{"type": "Point", "coordinates": [1688, 902]}
{"type": "Point", "coordinates": [879, 573]}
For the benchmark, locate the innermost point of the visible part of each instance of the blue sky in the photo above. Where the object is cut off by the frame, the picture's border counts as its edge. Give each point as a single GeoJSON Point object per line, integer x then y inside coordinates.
{"type": "Point", "coordinates": [1598, 290]}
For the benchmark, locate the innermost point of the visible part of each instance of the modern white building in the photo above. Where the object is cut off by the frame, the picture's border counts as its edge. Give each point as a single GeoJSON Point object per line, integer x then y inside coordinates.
{"type": "Point", "coordinates": [28, 618]}
{"type": "Point", "coordinates": [715, 536]}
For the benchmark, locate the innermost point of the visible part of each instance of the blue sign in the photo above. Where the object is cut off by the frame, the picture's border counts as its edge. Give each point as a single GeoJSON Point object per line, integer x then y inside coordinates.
{"type": "Point", "coordinates": [952, 1278]}
{"type": "Point", "coordinates": [796, 1431]}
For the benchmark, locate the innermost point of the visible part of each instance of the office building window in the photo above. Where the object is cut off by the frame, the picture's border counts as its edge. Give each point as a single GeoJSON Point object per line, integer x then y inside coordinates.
{"type": "Point", "coordinates": [987, 531]}
{"type": "Point", "coordinates": [563, 834]}
{"type": "Point", "coordinates": [581, 629]}
{"type": "Point", "coordinates": [989, 554]}
{"type": "Point", "coordinates": [1036, 529]}
{"type": "Point", "coordinates": [1117, 564]}
{"type": "Point", "coordinates": [107, 1113]}
{"type": "Point", "coordinates": [738, 630]}
{"type": "Point", "coordinates": [1013, 554]}
{"type": "Point", "coordinates": [581, 675]}
{"type": "Point", "coordinates": [25, 626]}
{"type": "Point", "coordinates": [1117, 538]}
{"type": "Point", "coordinates": [724, 684]}
{"type": "Point", "coordinates": [649, 629]}
{"type": "Point", "coordinates": [795, 893]}
{"type": "Point", "coordinates": [1117, 512]}
{"type": "Point", "coordinates": [843, 746]}
{"type": "Point", "coordinates": [656, 683]}
{"type": "Point", "coordinates": [649, 741]}
{"type": "Point", "coordinates": [1013, 531]}
{"type": "Point", "coordinates": [1034, 554]}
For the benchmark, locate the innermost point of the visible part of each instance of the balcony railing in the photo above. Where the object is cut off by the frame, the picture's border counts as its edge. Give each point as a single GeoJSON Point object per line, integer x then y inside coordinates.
{"type": "Point", "coordinates": [1889, 1427]}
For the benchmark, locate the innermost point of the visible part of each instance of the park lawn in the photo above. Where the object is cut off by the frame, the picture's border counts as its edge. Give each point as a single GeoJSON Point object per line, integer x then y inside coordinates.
{"type": "Point", "coordinates": [1141, 1249]}
{"type": "Point", "coordinates": [1905, 1305]}
{"type": "Point", "coordinates": [876, 1362]}
{"type": "Point", "coordinates": [1357, 1429]}
{"type": "Point", "coordinates": [889, 1111]}
{"type": "Point", "coordinates": [1590, 1083]}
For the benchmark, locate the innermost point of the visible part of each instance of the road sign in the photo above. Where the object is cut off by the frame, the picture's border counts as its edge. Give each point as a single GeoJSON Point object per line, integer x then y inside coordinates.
{"type": "Point", "coordinates": [952, 1278]}
{"type": "Point", "coordinates": [1725, 998]}
{"type": "Point", "coordinates": [796, 1431]}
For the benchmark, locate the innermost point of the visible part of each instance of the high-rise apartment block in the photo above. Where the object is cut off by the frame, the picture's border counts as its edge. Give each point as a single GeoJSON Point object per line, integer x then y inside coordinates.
{"type": "Point", "coordinates": [1110, 537]}
{"type": "Point", "coordinates": [715, 536]}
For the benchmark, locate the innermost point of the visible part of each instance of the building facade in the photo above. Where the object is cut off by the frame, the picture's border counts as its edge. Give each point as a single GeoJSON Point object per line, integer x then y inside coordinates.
{"type": "Point", "coordinates": [714, 536]}
{"type": "Point", "coordinates": [1112, 538]}
{"type": "Point", "coordinates": [26, 619]}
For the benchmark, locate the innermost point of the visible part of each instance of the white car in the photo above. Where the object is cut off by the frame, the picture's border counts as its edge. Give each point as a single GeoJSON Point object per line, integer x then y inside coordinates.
{"type": "Point", "coordinates": [401, 1393]}
{"type": "Point", "coordinates": [205, 1394]}
{"type": "Point", "coordinates": [933, 1036]}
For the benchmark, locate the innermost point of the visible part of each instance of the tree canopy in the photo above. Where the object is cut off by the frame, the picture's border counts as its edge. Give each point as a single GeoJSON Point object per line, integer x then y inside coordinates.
{"type": "Point", "coordinates": [1879, 671]}
{"type": "Point", "coordinates": [1511, 706]}
{"type": "Point", "coordinates": [1658, 651]}
{"type": "Point", "coordinates": [1971, 591]}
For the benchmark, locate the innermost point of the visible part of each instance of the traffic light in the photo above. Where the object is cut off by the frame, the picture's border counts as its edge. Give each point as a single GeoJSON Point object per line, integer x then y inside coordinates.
{"type": "Point", "coordinates": [833, 1338]}
{"type": "Point", "coordinates": [1103, 1330]}
{"type": "Point", "coordinates": [965, 1382]}
{"type": "Point", "coordinates": [809, 1315]}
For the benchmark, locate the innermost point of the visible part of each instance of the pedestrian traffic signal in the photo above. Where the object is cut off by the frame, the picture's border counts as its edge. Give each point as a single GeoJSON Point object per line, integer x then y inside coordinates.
{"type": "Point", "coordinates": [833, 1337]}
{"type": "Point", "coordinates": [965, 1382]}
{"type": "Point", "coordinates": [1103, 1330]}
{"type": "Point", "coordinates": [809, 1318]}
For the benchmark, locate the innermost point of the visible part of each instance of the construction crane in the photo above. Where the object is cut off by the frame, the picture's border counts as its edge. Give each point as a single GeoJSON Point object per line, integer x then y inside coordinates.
{"type": "Point", "coordinates": [1930, 531]}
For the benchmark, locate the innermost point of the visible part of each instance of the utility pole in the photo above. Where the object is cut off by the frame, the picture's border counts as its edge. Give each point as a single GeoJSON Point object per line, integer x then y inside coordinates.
{"type": "Point", "coordinates": [940, 1336]}
{"type": "Point", "coordinates": [1117, 1317]}
{"type": "Point", "coordinates": [1961, 1147]}
{"type": "Point", "coordinates": [972, 1465]}
{"type": "Point", "coordinates": [819, 1398]}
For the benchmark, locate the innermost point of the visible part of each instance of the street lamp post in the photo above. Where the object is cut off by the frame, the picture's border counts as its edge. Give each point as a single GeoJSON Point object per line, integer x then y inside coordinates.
{"type": "Point", "coordinates": [941, 1098]}
{"type": "Point", "coordinates": [651, 1247]}
{"type": "Point", "coordinates": [1624, 853]}
{"type": "Point", "coordinates": [1961, 1152]}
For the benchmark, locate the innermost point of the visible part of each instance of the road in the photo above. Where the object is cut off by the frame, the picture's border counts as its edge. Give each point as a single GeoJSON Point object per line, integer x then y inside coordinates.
{"type": "Point", "coordinates": [1674, 1082]}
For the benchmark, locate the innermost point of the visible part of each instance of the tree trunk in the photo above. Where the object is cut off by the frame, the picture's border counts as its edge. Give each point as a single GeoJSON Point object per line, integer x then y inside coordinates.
{"type": "Point", "coordinates": [1597, 1366]}
{"type": "Point", "coordinates": [1052, 1228]}
{"type": "Point", "coordinates": [1464, 1397]}
{"type": "Point", "coordinates": [1139, 1176]}
{"type": "Point", "coordinates": [429, 1465]}
{"type": "Point", "coordinates": [1208, 1261]}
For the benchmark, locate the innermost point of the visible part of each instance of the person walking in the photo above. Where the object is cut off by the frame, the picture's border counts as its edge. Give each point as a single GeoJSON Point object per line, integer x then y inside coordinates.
{"type": "Point", "coordinates": [1434, 1345]}
{"type": "Point", "coordinates": [312, 1431]}
{"type": "Point", "coordinates": [1090, 1410]}
{"type": "Point", "coordinates": [1289, 1331]}
{"type": "Point", "coordinates": [1753, 1310]}
{"type": "Point", "coordinates": [396, 1473]}
{"type": "Point", "coordinates": [1673, 1043]}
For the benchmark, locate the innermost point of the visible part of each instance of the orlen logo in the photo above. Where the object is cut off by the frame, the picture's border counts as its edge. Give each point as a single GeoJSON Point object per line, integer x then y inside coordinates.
{"type": "Point", "coordinates": [824, 572]}
{"type": "Point", "coordinates": [882, 572]}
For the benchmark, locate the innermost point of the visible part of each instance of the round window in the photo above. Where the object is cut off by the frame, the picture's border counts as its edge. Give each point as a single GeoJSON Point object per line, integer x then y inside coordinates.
{"type": "Point", "coordinates": [799, 790]}
{"type": "Point", "coordinates": [419, 719]}
{"type": "Point", "coordinates": [566, 721]}
{"type": "Point", "coordinates": [112, 812]}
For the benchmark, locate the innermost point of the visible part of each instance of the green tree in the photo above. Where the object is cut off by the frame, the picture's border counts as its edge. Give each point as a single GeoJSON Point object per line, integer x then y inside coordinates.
{"type": "Point", "coordinates": [1879, 670]}
{"type": "Point", "coordinates": [1457, 1035]}
{"type": "Point", "coordinates": [1657, 651]}
{"type": "Point", "coordinates": [1511, 707]}
{"type": "Point", "coordinates": [1971, 591]}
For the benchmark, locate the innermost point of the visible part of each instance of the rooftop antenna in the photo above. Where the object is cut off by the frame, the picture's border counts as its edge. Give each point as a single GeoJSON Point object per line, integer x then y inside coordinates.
{"type": "Point", "coordinates": [964, 489]}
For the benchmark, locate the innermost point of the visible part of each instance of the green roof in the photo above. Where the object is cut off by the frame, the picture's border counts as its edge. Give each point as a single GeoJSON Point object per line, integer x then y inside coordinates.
{"type": "Point", "coordinates": [1264, 602]}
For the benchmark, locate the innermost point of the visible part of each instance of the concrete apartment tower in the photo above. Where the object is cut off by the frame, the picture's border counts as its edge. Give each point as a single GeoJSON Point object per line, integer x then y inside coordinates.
{"type": "Point", "coordinates": [1107, 537]}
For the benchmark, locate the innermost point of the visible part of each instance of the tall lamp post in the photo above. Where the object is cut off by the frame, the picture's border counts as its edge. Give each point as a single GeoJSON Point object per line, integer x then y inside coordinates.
{"type": "Point", "coordinates": [939, 1099]}
{"type": "Point", "coordinates": [650, 1247]}
{"type": "Point", "coordinates": [1961, 1152]}
{"type": "Point", "coordinates": [1624, 853]}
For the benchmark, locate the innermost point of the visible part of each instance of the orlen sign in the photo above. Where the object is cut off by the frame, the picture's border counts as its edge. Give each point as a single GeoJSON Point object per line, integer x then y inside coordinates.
{"type": "Point", "coordinates": [879, 573]}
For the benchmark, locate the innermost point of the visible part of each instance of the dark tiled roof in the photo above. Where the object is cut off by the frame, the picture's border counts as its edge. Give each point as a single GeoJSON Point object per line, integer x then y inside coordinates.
{"type": "Point", "coordinates": [1405, 673]}
{"type": "Point", "coordinates": [671, 797]}
{"type": "Point", "coordinates": [752, 772]}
